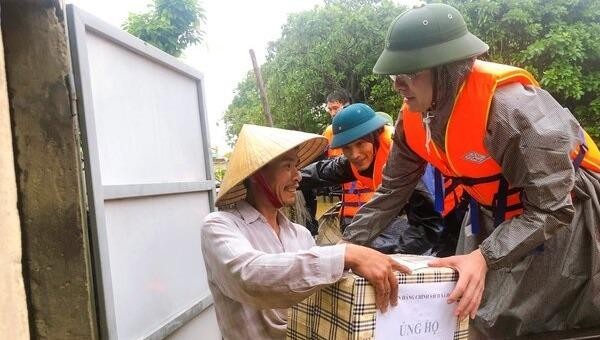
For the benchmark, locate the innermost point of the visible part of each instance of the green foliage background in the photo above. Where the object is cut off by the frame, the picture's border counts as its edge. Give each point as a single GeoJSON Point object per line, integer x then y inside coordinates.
{"type": "Point", "coordinates": [336, 45]}
{"type": "Point", "coordinates": [331, 46]}
{"type": "Point", "coordinates": [557, 40]}
{"type": "Point", "coordinates": [170, 25]}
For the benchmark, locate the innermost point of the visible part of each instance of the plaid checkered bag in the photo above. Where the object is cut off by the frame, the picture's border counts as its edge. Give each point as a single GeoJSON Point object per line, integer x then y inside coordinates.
{"type": "Point", "coordinates": [346, 309]}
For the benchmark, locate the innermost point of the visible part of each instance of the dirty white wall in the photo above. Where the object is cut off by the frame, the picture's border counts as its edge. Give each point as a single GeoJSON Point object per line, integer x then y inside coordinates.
{"type": "Point", "coordinates": [13, 305]}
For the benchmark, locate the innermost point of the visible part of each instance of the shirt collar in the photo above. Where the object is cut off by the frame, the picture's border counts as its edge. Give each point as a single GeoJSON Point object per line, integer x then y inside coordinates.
{"type": "Point", "coordinates": [250, 214]}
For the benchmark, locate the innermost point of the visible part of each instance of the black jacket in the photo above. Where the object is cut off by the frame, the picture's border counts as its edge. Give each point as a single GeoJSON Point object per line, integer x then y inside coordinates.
{"type": "Point", "coordinates": [418, 229]}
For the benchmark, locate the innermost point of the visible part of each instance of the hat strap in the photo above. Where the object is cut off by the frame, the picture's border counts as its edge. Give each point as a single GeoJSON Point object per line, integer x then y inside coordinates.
{"type": "Point", "coordinates": [262, 184]}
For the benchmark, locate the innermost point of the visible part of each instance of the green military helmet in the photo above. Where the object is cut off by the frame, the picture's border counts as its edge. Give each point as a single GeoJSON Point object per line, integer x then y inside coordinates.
{"type": "Point", "coordinates": [426, 36]}
{"type": "Point", "coordinates": [388, 119]}
{"type": "Point", "coordinates": [353, 122]}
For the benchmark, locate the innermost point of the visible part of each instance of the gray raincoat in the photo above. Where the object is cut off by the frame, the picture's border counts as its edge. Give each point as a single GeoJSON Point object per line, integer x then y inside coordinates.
{"type": "Point", "coordinates": [530, 135]}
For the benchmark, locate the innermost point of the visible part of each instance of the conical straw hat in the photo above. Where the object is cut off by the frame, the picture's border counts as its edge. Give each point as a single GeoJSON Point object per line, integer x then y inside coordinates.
{"type": "Point", "coordinates": [258, 145]}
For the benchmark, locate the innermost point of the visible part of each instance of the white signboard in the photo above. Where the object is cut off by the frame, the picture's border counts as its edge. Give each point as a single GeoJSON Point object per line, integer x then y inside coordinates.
{"type": "Point", "coordinates": [422, 313]}
{"type": "Point", "coordinates": [149, 177]}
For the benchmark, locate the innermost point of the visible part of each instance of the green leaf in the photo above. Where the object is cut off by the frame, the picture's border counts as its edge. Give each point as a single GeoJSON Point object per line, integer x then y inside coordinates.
{"type": "Point", "coordinates": [170, 25]}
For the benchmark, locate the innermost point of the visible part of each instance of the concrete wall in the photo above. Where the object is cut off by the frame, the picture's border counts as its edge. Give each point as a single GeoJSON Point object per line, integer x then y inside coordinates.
{"type": "Point", "coordinates": [13, 305]}
{"type": "Point", "coordinates": [47, 161]}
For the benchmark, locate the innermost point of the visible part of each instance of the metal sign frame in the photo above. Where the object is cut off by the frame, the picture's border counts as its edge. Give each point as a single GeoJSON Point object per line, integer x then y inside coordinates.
{"type": "Point", "coordinates": [79, 23]}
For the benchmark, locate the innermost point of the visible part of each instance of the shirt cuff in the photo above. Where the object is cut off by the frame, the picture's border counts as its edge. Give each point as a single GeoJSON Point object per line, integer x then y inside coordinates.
{"type": "Point", "coordinates": [332, 261]}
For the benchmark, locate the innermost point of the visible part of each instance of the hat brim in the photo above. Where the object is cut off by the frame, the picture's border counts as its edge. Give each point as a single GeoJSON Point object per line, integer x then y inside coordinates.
{"type": "Point", "coordinates": [410, 61]}
{"type": "Point", "coordinates": [357, 132]}
{"type": "Point", "coordinates": [233, 190]}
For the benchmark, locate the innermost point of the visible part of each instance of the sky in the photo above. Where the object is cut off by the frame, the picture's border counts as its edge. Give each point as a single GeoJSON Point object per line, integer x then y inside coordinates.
{"type": "Point", "coordinates": [232, 28]}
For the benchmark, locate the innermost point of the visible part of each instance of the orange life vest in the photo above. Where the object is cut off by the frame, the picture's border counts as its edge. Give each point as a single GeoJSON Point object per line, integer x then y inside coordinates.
{"type": "Point", "coordinates": [452, 196]}
{"type": "Point", "coordinates": [328, 133]}
{"type": "Point", "coordinates": [466, 158]}
{"type": "Point", "coordinates": [361, 192]}
{"type": "Point", "coordinates": [365, 187]}
{"type": "Point", "coordinates": [381, 156]}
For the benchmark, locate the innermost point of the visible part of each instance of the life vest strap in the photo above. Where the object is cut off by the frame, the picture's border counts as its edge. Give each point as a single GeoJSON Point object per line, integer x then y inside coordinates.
{"type": "Point", "coordinates": [474, 210]}
{"type": "Point", "coordinates": [500, 200]}
{"type": "Point", "coordinates": [501, 197]}
{"type": "Point", "coordinates": [471, 181]}
{"type": "Point", "coordinates": [439, 191]}
{"type": "Point", "coordinates": [353, 204]}
{"type": "Point", "coordinates": [580, 155]}
{"type": "Point", "coordinates": [357, 191]}
{"type": "Point", "coordinates": [453, 185]}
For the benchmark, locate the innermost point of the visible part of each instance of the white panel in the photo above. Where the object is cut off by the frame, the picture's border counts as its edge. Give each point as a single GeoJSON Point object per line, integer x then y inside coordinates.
{"type": "Point", "coordinates": [144, 134]}
{"type": "Point", "coordinates": [147, 118]}
{"type": "Point", "coordinates": [204, 327]}
{"type": "Point", "coordinates": [156, 262]}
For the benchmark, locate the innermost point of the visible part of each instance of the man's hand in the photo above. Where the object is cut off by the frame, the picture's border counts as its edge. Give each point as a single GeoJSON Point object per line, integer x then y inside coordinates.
{"type": "Point", "coordinates": [378, 269]}
{"type": "Point", "coordinates": [471, 281]}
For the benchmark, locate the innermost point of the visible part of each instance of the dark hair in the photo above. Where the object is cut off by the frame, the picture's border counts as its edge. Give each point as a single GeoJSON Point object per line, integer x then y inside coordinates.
{"type": "Point", "coordinates": [246, 183]}
{"type": "Point", "coordinates": [340, 95]}
{"type": "Point", "coordinates": [373, 137]}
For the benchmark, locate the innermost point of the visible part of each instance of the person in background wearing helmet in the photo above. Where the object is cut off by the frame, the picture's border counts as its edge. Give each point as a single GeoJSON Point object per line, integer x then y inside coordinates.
{"type": "Point", "coordinates": [365, 138]}
{"type": "Point", "coordinates": [530, 242]}
{"type": "Point", "coordinates": [259, 263]}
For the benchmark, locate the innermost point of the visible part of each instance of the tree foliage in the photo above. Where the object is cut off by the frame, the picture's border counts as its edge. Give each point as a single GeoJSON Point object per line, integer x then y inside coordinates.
{"type": "Point", "coordinates": [329, 47]}
{"type": "Point", "coordinates": [557, 40]}
{"type": "Point", "coordinates": [170, 25]}
{"type": "Point", "coordinates": [244, 109]}
{"type": "Point", "coordinates": [337, 44]}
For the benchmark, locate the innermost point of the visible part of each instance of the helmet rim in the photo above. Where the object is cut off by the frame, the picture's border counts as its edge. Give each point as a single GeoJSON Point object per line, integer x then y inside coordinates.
{"type": "Point", "coordinates": [425, 37]}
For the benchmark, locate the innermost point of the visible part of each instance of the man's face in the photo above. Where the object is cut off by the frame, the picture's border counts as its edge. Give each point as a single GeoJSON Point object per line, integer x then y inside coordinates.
{"type": "Point", "coordinates": [283, 177]}
{"type": "Point", "coordinates": [416, 88]}
{"type": "Point", "coordinates": [360, 153]}
{"type": "Point", "coordinates": [334, 107]}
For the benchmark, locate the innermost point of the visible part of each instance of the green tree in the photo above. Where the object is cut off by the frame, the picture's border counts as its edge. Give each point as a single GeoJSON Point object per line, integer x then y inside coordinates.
{"type": "Point", "coordinates": [557, 40]}
{"type": "Point", "coordinates": [337, 44]}
{"type": "Point", "coordinates": [245, 108]}
{"type": "Point", "coordinates": [170, 25]}
{"type": "Point", "coordinates": [328, 47]}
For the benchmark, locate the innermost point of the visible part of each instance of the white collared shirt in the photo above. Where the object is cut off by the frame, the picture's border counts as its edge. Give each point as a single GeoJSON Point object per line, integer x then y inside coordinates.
{"type": "Point", "coordinates": [255, 276]}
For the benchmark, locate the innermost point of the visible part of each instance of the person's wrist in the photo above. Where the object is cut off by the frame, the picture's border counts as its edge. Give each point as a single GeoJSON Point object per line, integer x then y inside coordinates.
{"type": "Point", "coordinates": [349, 256]}
{"type": "Point", "coordinates": [482, 254]}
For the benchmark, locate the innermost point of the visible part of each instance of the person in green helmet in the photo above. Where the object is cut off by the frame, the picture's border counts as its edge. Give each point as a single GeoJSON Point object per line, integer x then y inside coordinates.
{"type": "Point", "coordinates": [530, 244]}
{"type": "Point", "coordinates": [365, 137]}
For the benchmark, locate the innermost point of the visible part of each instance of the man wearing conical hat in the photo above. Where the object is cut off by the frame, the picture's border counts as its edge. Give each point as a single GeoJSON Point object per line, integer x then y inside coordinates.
{"type": "Point", "coordinates": [259, 263]}
{"type": "Point", "coordinates": [530, 244]}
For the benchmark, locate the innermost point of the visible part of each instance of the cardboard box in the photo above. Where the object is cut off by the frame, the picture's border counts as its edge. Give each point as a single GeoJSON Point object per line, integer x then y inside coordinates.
{"type": "Point", "coordinates": [346, 309]}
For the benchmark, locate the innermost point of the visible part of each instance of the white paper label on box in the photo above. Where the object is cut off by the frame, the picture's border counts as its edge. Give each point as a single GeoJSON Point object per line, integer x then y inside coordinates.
{"type": "Point", "coordinates": [413, 262]}
{"type": "Point", "coordinates": [421, 313]}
